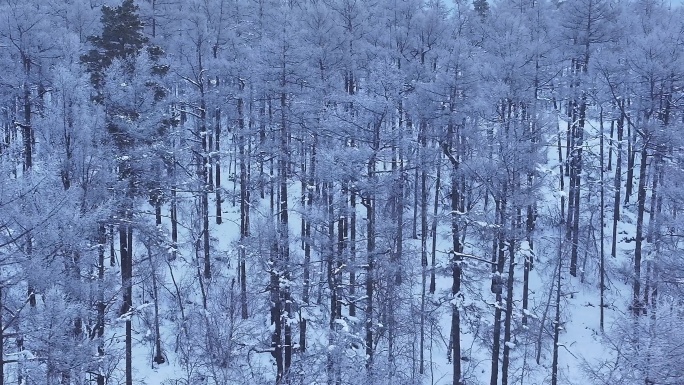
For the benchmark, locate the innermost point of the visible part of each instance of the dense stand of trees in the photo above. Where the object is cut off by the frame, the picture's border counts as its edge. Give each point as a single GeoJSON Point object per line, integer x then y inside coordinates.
{"type": "Point", "coordinates": [340, 191]}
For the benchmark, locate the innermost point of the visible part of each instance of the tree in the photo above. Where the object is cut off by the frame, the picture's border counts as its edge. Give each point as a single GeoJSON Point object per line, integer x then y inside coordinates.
{"type": "Point", "coordinates": [121, 85]}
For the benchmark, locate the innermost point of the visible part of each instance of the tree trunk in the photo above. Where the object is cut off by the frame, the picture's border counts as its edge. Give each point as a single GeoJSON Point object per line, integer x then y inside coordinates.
{"type": "Point", "coordinates": [561, 178]}
{"type": "Point", "coordinates": [284, 161]}
{"type": "Point", "coordinates": [509, 305]}
{"type": "Point", "coordinates": [610, 145]}
{"type": "Point", "coordinates": [497, 283]}
{"type": "Point", "coordinates": [617, 186]}
{"type": "Point", "coordinates": [556, 322]}
{"type": "Point", "coordinates": [26, 127]}
{"type": "Point", "coordinates": [276, 314]}
{"type": "Point", "coordinates": [101, 304]}
{"type": "Point", "coordinates": [529, 257]}
{"type": "Point", "coordinates": [244, 209]}
{"type": "Point", "coordinates": [2, 341]}
{"type": "Point", "coordinates": [352, 253]}
{"type": "Point", "coordinates": [576, 174]}
{"type": "Point", "coordinates": [126, 255]}
{"type": "Point", "coordinates": [435, 210]}
{"type": "Point", "coordinates": [637, 305]}
{"type": "Point", "coordinates": [158, 354]}
{"type": "Point", "coordinates": [602, 272]}
{"type": "Point", "coordinates": [309, 191]}
{"type": "Point", "coordinates": [456, 262]}
{"type": "Point", "coordinates": [423, 239]}
{"type": "Point", "coordinates": [204, 184]}
{"type": "Point", "coordinates": [369, 203]}
{"type": "Point", "coordinates": [217, 163]}
{"type": "Point", "coordinates": [205, 232]}
{"type": "Point", "coordinates": [631, 157]}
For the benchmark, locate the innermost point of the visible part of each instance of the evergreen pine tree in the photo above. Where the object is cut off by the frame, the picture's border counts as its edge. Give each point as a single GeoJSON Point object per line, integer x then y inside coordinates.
{"type": "Point", "coordinates": [481, 7]}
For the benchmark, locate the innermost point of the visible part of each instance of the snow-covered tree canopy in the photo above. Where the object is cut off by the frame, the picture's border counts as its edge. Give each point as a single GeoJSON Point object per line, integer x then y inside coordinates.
{"type": "Point", "coordinates": [341, 191]}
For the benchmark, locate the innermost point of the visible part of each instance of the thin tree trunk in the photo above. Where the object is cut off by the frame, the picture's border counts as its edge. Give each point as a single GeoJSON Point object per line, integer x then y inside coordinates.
{"type": "Point", "coordinates": [332, 278]}
{"type": "Point", "coordinates": [631, 156]}
{"type": "Point", "coordinates": [602, 213]}
{"type": "Point", "coordinates": [204, 174]}
{"type": "Point", "coordinates": [416, 195]}
{"type": "Point", "coordinates": [369, 203]}
{"type": "Point", "coordinates": [284, 161]}
{"type": "Point", "coordinates": [26, 127]}
{"type": "Point", "coordinates": [276, 314]}
{"type": "Point", "coordinates": [158, 355]}
{"type": "Point", "coordinates": [610, 145]}
{"type": "Point", "coordinates": [205, 232]}
{"type": "Point", "coordinates": [112, 254]}
{"type": "Point", "coordinates": [617, 186]}
{"type": "Point", "coordinates": [309, 191]}
{"type": "Point", "coordinates": [435, 210]}
{"type": "Point", "coordinates": [637, 305]}
{"type": "Point", "coordinates": [217, 164]}
{"type": "Point", "coordinates": [561, 178]}
{"type": "Point", "coordinates": [556, 323]}
{"type": "Point", "coordinates": [509, 304]}
{"type": "Point", "coordinates": [244, 210]}
{"type": "Point", "coordinates": [456, 262]}
{"type": "Point", "coordinates": [101, 305]}
{"type": "Point", "coordinates": [126, 255]}
{"type": "Point", "coordinates": [500, 251]}
{"type": "Point", "coordinates": [423, 241]}
{"type": "Point", "coordinates": [352, 253]}
{"type": "Point", "coordinates": [577, 176]}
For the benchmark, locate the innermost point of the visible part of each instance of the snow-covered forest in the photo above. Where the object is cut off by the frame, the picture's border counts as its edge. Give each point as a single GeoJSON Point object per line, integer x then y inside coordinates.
{"type": "Point", "coordinates": [209, 192]}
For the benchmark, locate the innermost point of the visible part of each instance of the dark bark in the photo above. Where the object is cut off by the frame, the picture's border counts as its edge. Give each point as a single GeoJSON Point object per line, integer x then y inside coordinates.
{"type": "Point", "coordinates": [610, 145]}
{"type": "Point", "coordinates": [509, 308]}
{"type": "Point", "coordinates": [637, 305]}
{"type": "Point", "coordinates": [631, 157]}
{"type": "Point", "coordinates": [602, 272]}
{"type": "Point", "coordinates": [529, 257]}
{"type": "Point", "coordinates": [158, 354]}
{"type": "Point", "coordinates": [2, 340]}
{"type": "Point", "coordinates": [577, 176]}
{"type": "Point", "coordinates": [98, 329]}
{"type": "Point", "coordinates": [126, 255]}
{"type": "Point", "coordinates": [157, 211]}
{"type": "Point", "coordinates": [579, 106]}
{"type": "Point", "coordinates": [617, 180]}
{"type": "Point", "coordinates": [26, 127]}
{"type": "Point", "coordinates": [457, 258]}
{"type": "Point", "coordinates": [205, 232]}
{"type": "Point", "coordinates": [369, 203]}
{"type": "Point", "coordinates": [423, 241]}
{"type": "Point", "coordinates": [352, 253]}
{"type": "Point", "coordinates": [561, 178]}
{"type": "Point", "coordinates": [112, 238]}
{"type": "Point", "coordinates": [309, 198]}
{"type": "Point", "coordinates": [276, 314]}
{"type": "Point", "coordinates": [416, 200]}
{"type": "Point", "coordinates": [283, 165]}
{"type": "Point", "coordinates": [456, 262]}
{"type": "Point", "coordinates": [435, 208]}
{"type": "Point", "coordinates": [497, 283]}
{"type": "Point", "coordinates": [31, 291]}
{"type": "Point", "coordinates": [556, 321]}
{"type": "Point", "coordinates": [174, 222]}
{"type": "Point", "coordinates": [245, 205]}
{"type": "Point", "coordinates": [204, 172]}
{"type": "Point", "coordinates": [217, 164]}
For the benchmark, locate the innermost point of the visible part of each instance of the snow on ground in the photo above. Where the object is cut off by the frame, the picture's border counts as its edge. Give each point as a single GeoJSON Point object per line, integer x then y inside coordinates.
{"type": "Point", "coordinates": [580, 340]}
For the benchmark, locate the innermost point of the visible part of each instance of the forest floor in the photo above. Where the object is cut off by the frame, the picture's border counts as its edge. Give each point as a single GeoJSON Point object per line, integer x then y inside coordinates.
{"type": "Point", "coordinates": [581, 342]}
